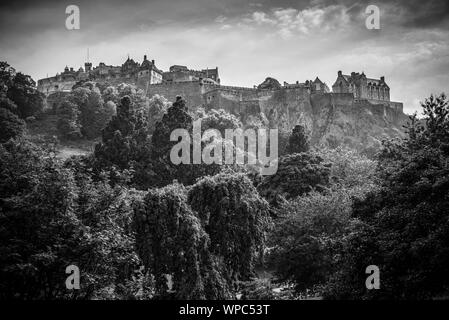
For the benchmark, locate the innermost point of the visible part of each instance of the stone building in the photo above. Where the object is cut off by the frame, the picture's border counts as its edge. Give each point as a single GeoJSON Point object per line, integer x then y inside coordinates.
{"type": "Point", "coordinates": [130, 71]}
{"type": "Point", "coordinates": [179, 73]}
{"type": "Point", "coordinates": [362, 87]}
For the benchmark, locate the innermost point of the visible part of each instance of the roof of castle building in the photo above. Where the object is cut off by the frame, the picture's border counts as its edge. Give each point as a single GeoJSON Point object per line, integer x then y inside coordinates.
{"type": "Point", "coordinates": [356, 76]}
{"type": "Point", "coordinates": [377, 82]}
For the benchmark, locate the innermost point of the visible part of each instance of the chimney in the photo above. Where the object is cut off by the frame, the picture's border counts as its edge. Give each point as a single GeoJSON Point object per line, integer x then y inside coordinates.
{"type": "Point", "coordinates": [382, 79]}
{"type": "Point", "coordinates": [144, 57]}
{"type": "Point", "coordinates": [339, 73]}
{"type": "Point", "coordinates": [152, 62]}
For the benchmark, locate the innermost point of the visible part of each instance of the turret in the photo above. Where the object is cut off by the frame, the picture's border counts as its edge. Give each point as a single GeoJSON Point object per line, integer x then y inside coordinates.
{"type": "Point", "coordinates": [88, 66]}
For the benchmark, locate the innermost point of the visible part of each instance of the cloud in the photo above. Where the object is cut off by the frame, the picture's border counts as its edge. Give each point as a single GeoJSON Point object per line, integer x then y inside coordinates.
{"type": "Point", "coordinates": [291, 21]}
{"type": "Point", "coordinates": [260, 18]}
{"type": "Point", "coordinates": [220, 19]}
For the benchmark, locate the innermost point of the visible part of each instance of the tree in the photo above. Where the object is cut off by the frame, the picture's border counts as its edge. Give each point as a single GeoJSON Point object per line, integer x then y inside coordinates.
{"type": "Point", "coordinates": [125, 138]}
{"type": "Point", "coordinates": [219, 120]}
{"type": "Point", "coordinates": [177, 117]}
{"type": "Point", "coordinates": [126, 145]}
{"type": "Point", "coordinates": [158, 106]}
{"type": "Point", "coordinates": [68, 120]}
{"type": "Point", "coordinates": [297, 174]}
{"type": "Point", "coordinates": [110, 93]}
{"type": "Point", "coordinates": [38, 223]}
{"type": "Point", "coordinates": [235, 217]}
{"type": "Point", "coordinates": [306, 236]}
{"type": "Point", "coordinates": [350, 169]}
{"type": "Point", "coordinates": [11, 126]}
{"type": "Point", "coordinates": [94, 115]}
{"type": "Point", "coordinates": [298, 141]}
{"type": "Point", "coordinates": [403, 227]}
{"type": "Point", "coordinates": [53, 216]}
{"type": "Point", "coordinates": [7, 104]}
{"type": "Point", "coordinates": [22, 91]}
{"type": "Point", "coordinates": [203, 240]}
{"type": "Point", "coordinates": [173, 245]}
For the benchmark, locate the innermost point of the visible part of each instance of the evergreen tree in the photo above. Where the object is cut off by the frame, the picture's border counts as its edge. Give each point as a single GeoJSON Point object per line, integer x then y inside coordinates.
{"type": "Point", "coordinates": [11, 126]}
{"type": "Point", "coordinates": [235, 217]}
{"type": "Point", "coordinates": [298, 141]}
{"type": "Point", "coordinates": [173, 244]}
{"type": "Point", "coordinates": [125, 139]}
{"type": "Point", "coordinates": [297, 174]}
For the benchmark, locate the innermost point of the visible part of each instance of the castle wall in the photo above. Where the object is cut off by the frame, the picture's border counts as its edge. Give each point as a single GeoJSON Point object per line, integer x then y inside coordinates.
{"type": "Point", "coordinates": [190, 91]}
{"type": "Point", "coordinates": [398, 106]}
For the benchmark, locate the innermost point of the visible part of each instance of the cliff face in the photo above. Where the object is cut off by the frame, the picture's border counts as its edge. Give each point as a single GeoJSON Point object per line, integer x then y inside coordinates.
{"type": "Point", "coordinates": [339, 119]}
{"type": "Point", "coordinates": [332, 119]}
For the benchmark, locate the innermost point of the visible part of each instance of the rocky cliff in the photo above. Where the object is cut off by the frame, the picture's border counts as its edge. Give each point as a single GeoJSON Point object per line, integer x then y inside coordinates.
{"type": "Point", "coordinates": [332, 119]}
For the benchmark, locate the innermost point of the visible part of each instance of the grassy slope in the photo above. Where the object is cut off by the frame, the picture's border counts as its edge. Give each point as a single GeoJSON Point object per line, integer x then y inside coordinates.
{"type": "Point", "coordinates": [43, 131]}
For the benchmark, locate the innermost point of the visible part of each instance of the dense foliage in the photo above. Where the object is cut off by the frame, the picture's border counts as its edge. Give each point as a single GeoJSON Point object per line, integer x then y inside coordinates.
{"type": "Point", "coordinates": [11, 125]}
{"type": "Point", "coordinates": [125, 142]}
{"type": "Point", "coordinates": [235, 217]}
{"type": "Point", "coordinates": [20, 89]}
{"type": "Point", "coordinates": [51, 217]}
{"type": "Point", "coordinates": [298, 141]}
{"type": "Point", "coordinates": [83, 113]}
{"type": "Point", "coordinates": [203, 246]}
{"type": "Point", "coordinates": [297, 174]}
{"type": "Point", "coordinates": [403, 227]}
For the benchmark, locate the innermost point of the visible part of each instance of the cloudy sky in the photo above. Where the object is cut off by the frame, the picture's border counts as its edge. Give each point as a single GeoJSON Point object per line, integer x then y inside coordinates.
{"type": "Point", "coordinates": [248, 40]}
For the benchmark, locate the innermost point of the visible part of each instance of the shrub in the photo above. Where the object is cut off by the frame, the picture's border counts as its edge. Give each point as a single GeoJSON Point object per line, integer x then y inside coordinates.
{"type": "Point", "coordinates": [10, 125]}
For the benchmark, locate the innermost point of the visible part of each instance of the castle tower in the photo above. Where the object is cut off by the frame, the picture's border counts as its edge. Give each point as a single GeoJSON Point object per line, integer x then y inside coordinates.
{"type": "Point", "coordinates": [88, 66]}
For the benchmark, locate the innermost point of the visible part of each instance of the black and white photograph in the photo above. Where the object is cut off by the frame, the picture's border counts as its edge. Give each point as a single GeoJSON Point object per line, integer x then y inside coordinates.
{"type": "Point", "coordinates": [250, 152]}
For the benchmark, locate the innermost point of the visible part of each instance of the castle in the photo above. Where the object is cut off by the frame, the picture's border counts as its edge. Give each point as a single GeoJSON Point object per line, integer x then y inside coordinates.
{"type": "Point", "coordinates": [132, 72]}
{"type": "Point", "coordinates": [283, 105]}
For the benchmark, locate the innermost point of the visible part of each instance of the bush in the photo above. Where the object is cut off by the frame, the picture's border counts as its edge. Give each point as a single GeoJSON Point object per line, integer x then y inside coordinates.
{"type": "Point", "coordinates": [68, 122]}
{"type": "Point", "coordinates": [298, 141]}
{"type": "Point", "coordinates": [297, 174]}
{"type": "Point", "coordinates": [10, 125]}
{"type": "Point", "coordinates": [306, 237]}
